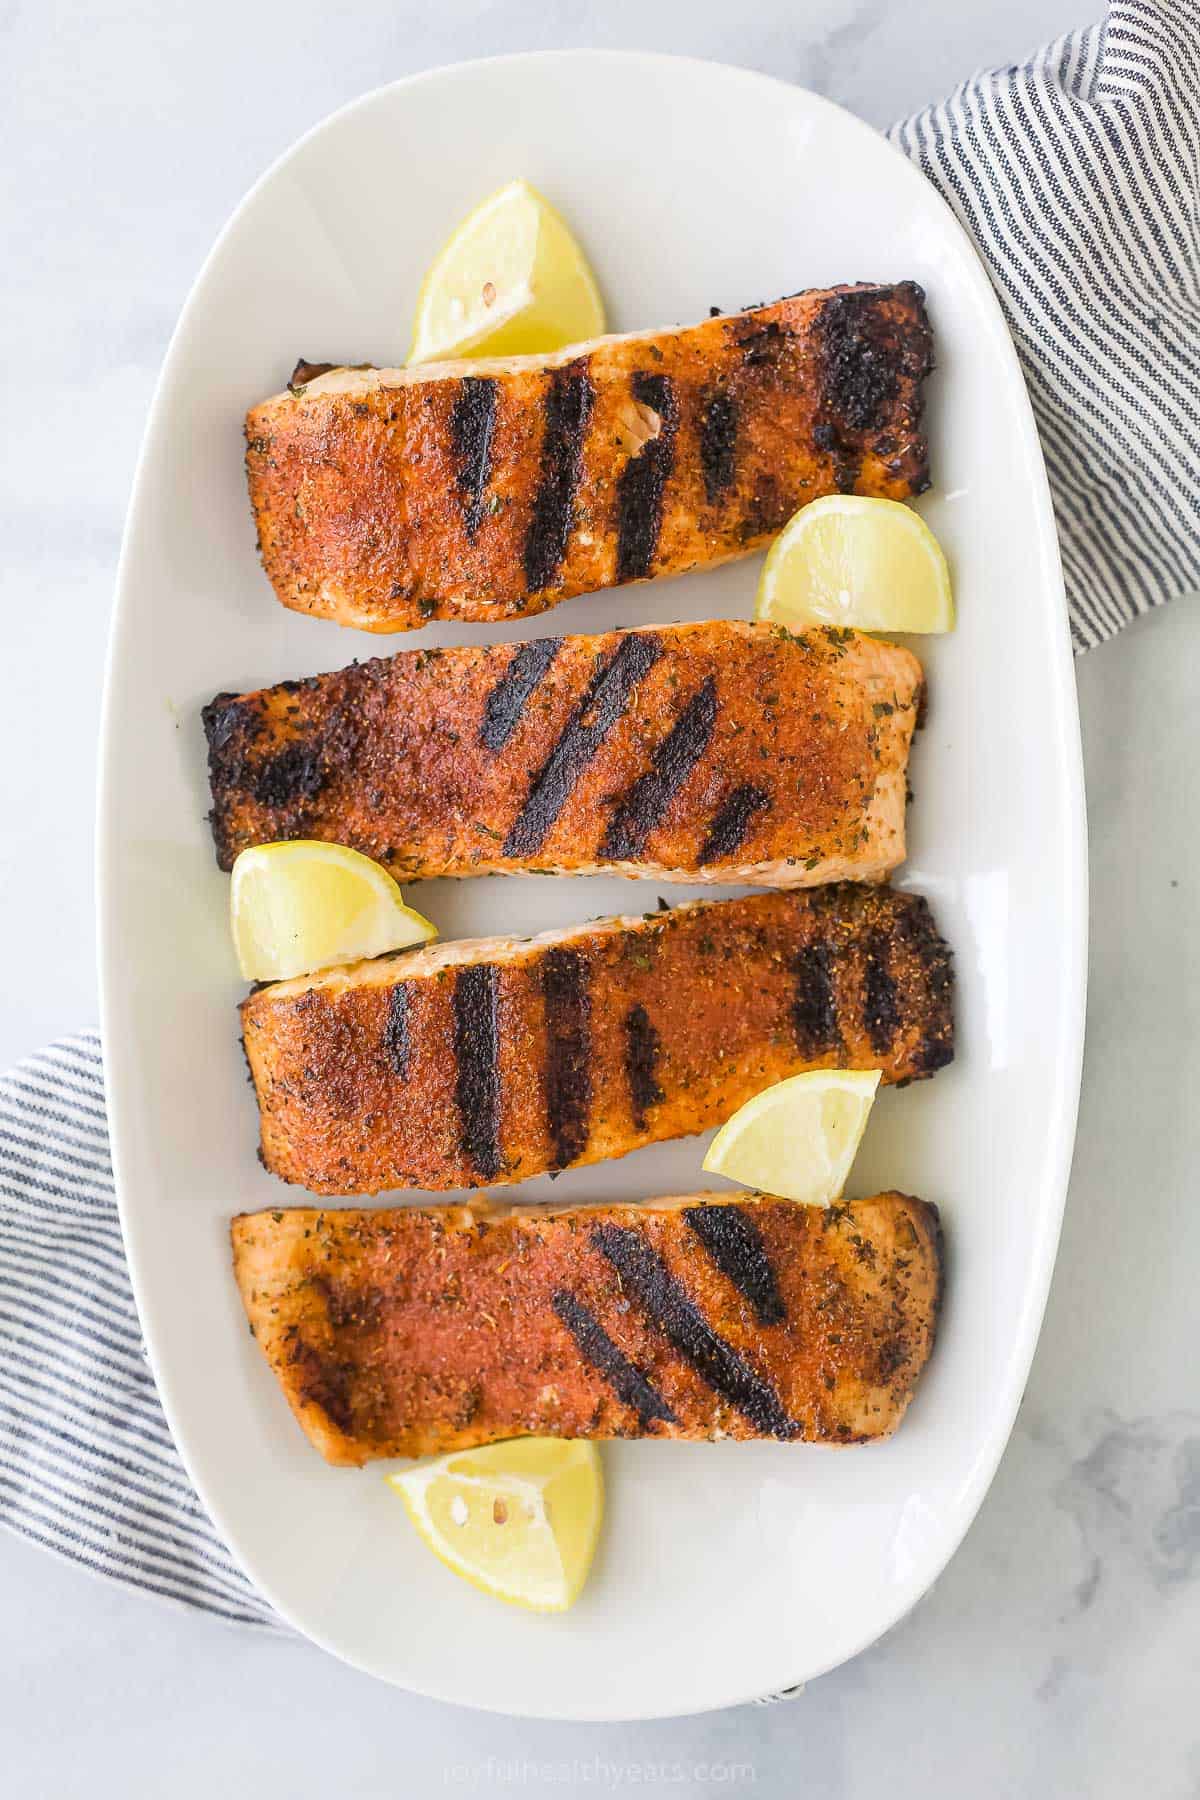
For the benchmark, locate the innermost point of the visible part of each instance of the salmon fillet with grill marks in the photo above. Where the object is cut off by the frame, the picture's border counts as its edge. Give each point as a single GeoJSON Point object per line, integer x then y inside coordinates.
{"type": "Point", "coordinates": [714, 752]}
{"type": "Point", "coordinates": [483, 1062]}
{"type": "Point", "coordinates": [488, 490]}
{"type": "Point", "coordinates": [401, 1333]}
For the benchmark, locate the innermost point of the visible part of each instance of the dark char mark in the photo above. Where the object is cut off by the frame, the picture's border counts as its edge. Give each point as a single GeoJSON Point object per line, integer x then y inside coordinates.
{"type": "Point", "coordinates": [642, 1047]}
{"type": "Point", "coordinates": [847, 462]}
{"type": "Point", "coordinates": [568, 1053]}
{"type": "Point", "coordinates": [881, 1006]}
{"type": "Point", "coordinates": [646, 1277]}
{"type": "Point", "coordinates": [596, 1347]}
{"type": "Point", "coordinates": [860, 361]}
{"type": "Point", "coordinates": [735, 1244]}
{"type": "Point", "coordinates": [306, 371]}
{"type": "Point", "coordinates": [567, 407]}
{"type": "Point", "coordinates": [814, 1007]}
{"type": "Point", "coordinates": [762, 343]}
{"type": "Point", "coordinates": [228, 716]}
{"type": "Point", "coordinates": [643, 479]}
{"type": "Point", "coordinates": [477, 1053]}
{"type": "Point", "coordinates": [294, 774]}
{"type": "Point", "coordinates": [718, 438]}
{"type": "Point", "coordinates": [472, 422]}
{"type": "Point", "coordinates": [508, 699]}
{"type": "Point", "coordinates": [648, 799]}
{"type": "Point", "coordinates": [731, 822]}
{"type": "Point", "coordinates": [932, 954]}
{"type": "Point", "coordinates": [396, 1045]}
{"type": "Point", "coordinates": [607, 697]}
{"type": "Point", "coordinates": [867, 343]}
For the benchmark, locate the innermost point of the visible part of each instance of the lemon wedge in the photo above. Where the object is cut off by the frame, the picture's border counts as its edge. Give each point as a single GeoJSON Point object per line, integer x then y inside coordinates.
{"type": "Point", "coordinates": [519, 1520]}
{"type": "Point", "coordinates": [512, 281]}
{"type": "Point", "coordinates": [299, 906]}
{"type": "Point", "coordinates": [851, 561]}
{"type": "Point", "coordinates": [798, 1139]}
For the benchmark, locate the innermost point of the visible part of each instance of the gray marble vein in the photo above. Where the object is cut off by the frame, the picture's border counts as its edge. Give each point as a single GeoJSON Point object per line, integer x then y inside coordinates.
{"type": "Point", "coordinates": [1059, 1655]}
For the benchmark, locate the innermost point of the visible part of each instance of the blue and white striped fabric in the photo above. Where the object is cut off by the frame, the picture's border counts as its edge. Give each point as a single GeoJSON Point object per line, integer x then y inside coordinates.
{"type": "Point", "coordinates": [87, 1465]}
{"type": "Point", "coordinates": [1078, 174]}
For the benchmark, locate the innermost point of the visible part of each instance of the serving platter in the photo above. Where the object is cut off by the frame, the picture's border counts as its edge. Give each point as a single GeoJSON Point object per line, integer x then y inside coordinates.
{"type": "Point", "coordinates": [727, 1570]}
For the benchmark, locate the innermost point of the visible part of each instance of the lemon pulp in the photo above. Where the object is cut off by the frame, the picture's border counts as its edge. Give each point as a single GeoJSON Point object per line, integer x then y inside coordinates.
{"type": "Point", "coordinates": [519, 1520]}
{"type": "Point", "coordinates": [511, 281]}
{"type": "Point", "coordinates": [301, 905]}
{"type": "Point", "coordinates": [798, 1139]}
{"type": "Point", "coordinates": [848, 560]}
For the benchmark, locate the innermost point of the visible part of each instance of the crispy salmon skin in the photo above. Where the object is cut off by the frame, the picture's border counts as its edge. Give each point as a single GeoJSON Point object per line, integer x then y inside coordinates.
{"type": "Point", "coordinates": [406, 1332]}
{"type": "Point", "coordinates": [490, 490]}
{"type": "Point", "coordinates": [478, 1063]}
{"type": "Point", "coordinates": [713, 752]}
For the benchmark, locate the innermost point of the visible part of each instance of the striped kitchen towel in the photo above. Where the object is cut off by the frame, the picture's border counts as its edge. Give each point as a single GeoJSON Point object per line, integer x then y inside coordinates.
{"type": "Point", "coordinates": [1078, 174]}
{"type": "Point", "coordinates": [87, 1465]}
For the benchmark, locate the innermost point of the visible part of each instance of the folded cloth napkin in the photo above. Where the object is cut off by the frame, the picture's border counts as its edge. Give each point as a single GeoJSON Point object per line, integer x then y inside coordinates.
{"type": "Point", "coordinates": [1078, 175]}
{"type": "Point", "coordinates": [87, 1465]}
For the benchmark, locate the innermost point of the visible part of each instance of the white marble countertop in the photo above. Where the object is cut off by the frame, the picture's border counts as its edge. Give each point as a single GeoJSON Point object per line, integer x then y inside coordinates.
{"type": "Point", "coordinates": [1060, 1653]}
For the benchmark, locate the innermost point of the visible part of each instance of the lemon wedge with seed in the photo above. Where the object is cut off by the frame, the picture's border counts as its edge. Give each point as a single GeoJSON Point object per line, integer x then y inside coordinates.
{"type": "Point", "coordinates": [519, 1520]}
{"type": "Point", "coordinates": [851, 561]}
{"type": "Point", "coordinates": [299, 906]}
{"type": "Point", "coordinates": [798, 1139]}
{"type": "Point", "coordinates": [512, 281]}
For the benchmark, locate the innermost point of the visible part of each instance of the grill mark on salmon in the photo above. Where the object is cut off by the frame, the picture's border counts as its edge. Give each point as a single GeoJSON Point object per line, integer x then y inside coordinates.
{"type": "Point", "coordinates": [912, 934]}
{"type": "Point", "coordinates": [735, 1244]}
{"type": "Point", "coordinates": [624, 458]}
{"type": "Point", "coordinates": [407, 1332]}
{"type": "Point", "coordinates": [880, 1012]}
{"type": "Point", "coordinates": [292, 777]}
{"type": "Point", "coordinates": [599, 710]}
{"type": "Point", "coordinates": [718, 443]}
{"type": "Point", "coordinates": [648, 799]}
{"type": "Point", "coordinates": [472, 423]}
{"type": "Point", "coordinates": [762, 341]}
{"type": "Point", "coordinates": [731, 822]}
{"type": "Point", "coordinates": [644, 478]}
{"type": "Point", "coordinates": [862, 376]}
{"type": "Point", "coordinates": [568, 1052]}
{"type": "Point", "coordinates": [567, 407]}
{"type": "Point", "coordinates": [814, 1005]}
{"type": "Point", "coordinates": [642, 1049]}
{"type": "Point", "coordinates": [597, 1348]}
{"type": "Point", "coordinates": [477, 1060]}
{"type": "Point", "coordinates": [786, 768]}
{"type": "Point", "coordinates": [646, 1276]}
{"type": "Point", "coordinates": [395, 1032]}
{"type": "Point", "coordinates": [689, 1012]}
{"type": "Point", "coordinates": [507, 701]}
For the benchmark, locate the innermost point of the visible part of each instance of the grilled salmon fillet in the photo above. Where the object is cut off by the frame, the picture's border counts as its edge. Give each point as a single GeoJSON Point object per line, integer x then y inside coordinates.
{"type": "Point", "coordinates": [715, 752]}
{"type": "Point", "coordinates": [405, 1332]}
{"type": "Point", "coordinates": [489, 490]}
{"type": "Point", "coordinates": [487, 1061]}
